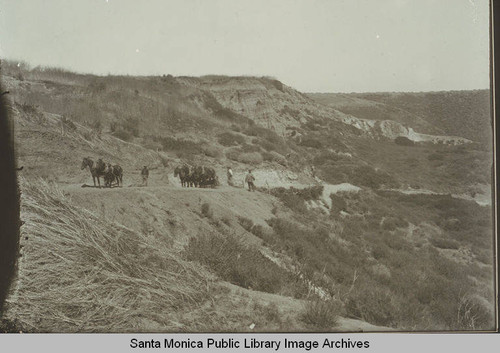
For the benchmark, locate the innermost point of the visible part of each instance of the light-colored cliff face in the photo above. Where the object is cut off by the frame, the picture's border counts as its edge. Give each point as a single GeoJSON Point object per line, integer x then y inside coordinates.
{"type": "Point", "coordinates": [266, 101]}
{"type": "Point", "coordinates": [278, 107]}
{"type": "Point", "coordinates": [392, 129]}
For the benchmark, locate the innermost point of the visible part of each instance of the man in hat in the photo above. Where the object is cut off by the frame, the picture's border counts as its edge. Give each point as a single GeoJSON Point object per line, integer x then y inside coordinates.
{"type": "Point", "coordinates": [249, 179]}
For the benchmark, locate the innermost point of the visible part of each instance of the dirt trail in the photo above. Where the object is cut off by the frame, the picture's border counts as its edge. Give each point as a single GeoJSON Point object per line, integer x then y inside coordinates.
{"type": "Point", "coordinates": [174, 213]}
{"type": "Point", "coordinates": [167, 211]}
{"type": "Point", "coordinates": [482, 198]}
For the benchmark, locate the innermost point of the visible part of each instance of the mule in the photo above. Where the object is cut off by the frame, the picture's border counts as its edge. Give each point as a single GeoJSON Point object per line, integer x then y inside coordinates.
{"type": "Point", "coordinates": [118, 173]}
{"type": "Point", "coordinates": [182, 174]}
{"type": "Point", "coordinates": [96, 170]}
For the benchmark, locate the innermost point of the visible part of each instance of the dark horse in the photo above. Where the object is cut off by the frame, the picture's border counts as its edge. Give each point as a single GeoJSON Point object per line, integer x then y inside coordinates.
{"type": "Point", "coordinates": [112, 174]}
{"type": "Point", "coordinates": [117, 174]}
{"type": "Point", "coordinates": [208, 178]}
{"type": "Point", "coordinates": [97, 171]}
{"type": "Point", "coordinates": [183, 174]}
{"type": "Point", "coordinates": [198, 176]}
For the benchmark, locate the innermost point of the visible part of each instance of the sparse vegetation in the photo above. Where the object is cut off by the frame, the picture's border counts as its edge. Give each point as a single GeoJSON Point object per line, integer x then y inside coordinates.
{"type": "Point", "coordinates": [206, 211]}
{"type": "Point", "coordinates": [124, 135]}
{"type": "Point", "coordinates": [242, 265]}
{"type": "Point", "coordinates": [253, 158]}
{"type": "Point", "coordinates": [322, 314]}
{"type": "Point", "coordinates": [246, 223]}
{"type": "Point", "coordinates": [388, 293]}
{"type": "Point", "coordinates": [295, 198]}
{"type": "Point", "coordinates": [211, 151]}
{"type": "Point", "coordinates": [230, 139]}
{"type": "Point", "coordinates": [416, 261]}
{"type": "Point", "coordinates": [363, 175]}
{"type": "Point", "coordinates": [403, 141]}
{"type": "Point", "coordinates": [92, 269]}
{"type": "Point", "coordinates": [311, 142]}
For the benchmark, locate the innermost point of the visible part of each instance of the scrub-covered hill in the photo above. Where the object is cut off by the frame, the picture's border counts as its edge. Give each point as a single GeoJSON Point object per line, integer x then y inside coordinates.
{"type": "Point", "coordinates": [352, 227]}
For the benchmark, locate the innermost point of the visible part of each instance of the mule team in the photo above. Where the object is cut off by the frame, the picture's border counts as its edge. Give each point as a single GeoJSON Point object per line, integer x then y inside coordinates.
{"type": "Point", "coordinates": [195, 176]}
{"type": "Point", "coordinates": [110, 173]}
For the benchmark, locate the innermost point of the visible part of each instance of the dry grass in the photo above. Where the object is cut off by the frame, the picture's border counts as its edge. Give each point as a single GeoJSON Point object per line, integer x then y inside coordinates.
{"type": "Point", "coordinates": [322, 314]}
{"type": "Point", "coordinates": [80, 274]}
{"type": "Point", "coordinates": [243, 265]}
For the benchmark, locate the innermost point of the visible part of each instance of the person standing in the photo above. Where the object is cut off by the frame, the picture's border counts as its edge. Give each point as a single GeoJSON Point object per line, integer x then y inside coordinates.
{"type": "Point", "coordinates": [249, 179]}
{"type": "Point", "coordinates": [230, 176]}
{"type": "Point", "coordinates": [145, 176]}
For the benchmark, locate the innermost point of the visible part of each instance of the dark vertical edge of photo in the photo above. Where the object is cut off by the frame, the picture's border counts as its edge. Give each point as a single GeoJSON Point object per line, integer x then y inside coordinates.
{"type": "Point", "coordinates": [495, 87]}
{"type": "Point", "coordinates": [9, 204]}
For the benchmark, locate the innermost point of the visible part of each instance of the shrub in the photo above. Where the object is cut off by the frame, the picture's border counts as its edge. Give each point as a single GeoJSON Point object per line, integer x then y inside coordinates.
{"type": "Point", "coordinates": [372, 304]}
{"type": "Point", "coordinates": [276, 84]}
{"type": "Point", "coordinates": [435, 156]}
{"type": "Point", "coordinates": [311, 142]}
{"type": "Point", "coordinates": [96, 126]}
{"type": "Point", "coordinates": [268, 146]}
{"type": "Point", "coordinates": [391, 223]}
{"type": "Point", "coordinates": [87, 135]}
{"type": "Point", "coordinates": [444, 243]}
{"type": "Point", "coordinates": [326, 157]}
{"type": "Point", "coordinates": [68, 124]}
{"type": "Point", "coordinates": [248, 158]}
{"type": "Point", "coordinates": [321, 314]}
{"type": "Point", "coordinates": [211, 151]}
{"type": "Point", "coordinates": [206, 211]}
{"type": "Point", "coordinates": [272, 313]}
{"type": "Point", "coordinates": [484, 256]}
{"type": "Point", "coordinates": [30, 109]}
{"type": "Point", "coordinates": [403, 141]}
{"type": "Point", "coordinates": [286, 110]}
{"type": "Point", "coordinates": [251, 158]}
{"type": "Point", "coordinates": [187, 147]}
{"type": "Point", "coordinates": [370, 177]}
{"type": "Point", "coordinates": [295, 199]}
{"type": "Point", "coordinates": [338, 204]}
{"type": "Point", "coordinates": [246, 223]}
{"type": "Point", "coordinates": [131, 124]}
{"type": "Point", "coordinates": [472, 314]}
{"type": "Point", "coordinates": [151, 144]}
{"type": "Point", "coordinates": [274, 157]}
{"type": "Point", "coordinates": [249, 148]}
{"type": "Point", "coordinates": [254, 130]}
{"type": "Point", "coordinates": [97, 86]}
{"type": "Point", "coordinates": [211, 103]}
{"type": "Point", "coordinates": [257, 230]}
{"type": "Point", "coordinates": [306, 194]}
{"type": "Point", "coordinates": [312, 125]}
{"type": "Point", "coordinates": [236, 128]}
{"type": "Point", "coordinates": [124, 135]}
{"type": "Point", "coordinates": [263, 133]}
{"type": "Point", "coordinates": [242, 265]}
{"type": "Point", "coordinates": [226, 220]}
{"type": "Point", "coordinates": [229, 139]}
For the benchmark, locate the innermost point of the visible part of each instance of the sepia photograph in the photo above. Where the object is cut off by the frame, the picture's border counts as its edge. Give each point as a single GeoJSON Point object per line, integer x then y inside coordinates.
{"type": "Point", "coordinates": [236, 166]}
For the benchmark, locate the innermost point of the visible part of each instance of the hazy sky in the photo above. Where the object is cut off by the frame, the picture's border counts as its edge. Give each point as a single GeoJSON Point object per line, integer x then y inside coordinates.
{"type": "Point", "coordinates": [312, 45]}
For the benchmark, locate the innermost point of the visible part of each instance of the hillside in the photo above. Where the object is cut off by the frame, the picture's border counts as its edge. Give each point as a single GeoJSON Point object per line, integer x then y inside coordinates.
{"type": "Point", "coordinates": [344, 221]}
{"type": "Point", "coordinates": [459, 113]}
